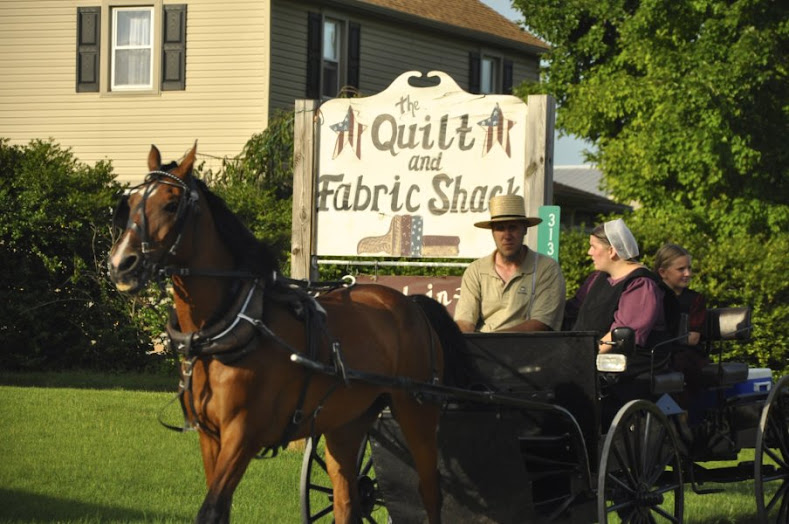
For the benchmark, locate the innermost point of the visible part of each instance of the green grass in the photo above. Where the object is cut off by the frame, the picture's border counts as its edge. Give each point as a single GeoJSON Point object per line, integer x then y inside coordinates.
{"type": "Point", "coordinates": [94, 452]}
{"type": "Point", "coordinates": [93, 455]}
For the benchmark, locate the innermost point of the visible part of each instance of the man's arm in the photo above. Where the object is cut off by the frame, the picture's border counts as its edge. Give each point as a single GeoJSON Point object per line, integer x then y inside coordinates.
{"type": "Point", "coordinates": [467, 310]}
{"type": "Point", "coordinates": [548, 308]}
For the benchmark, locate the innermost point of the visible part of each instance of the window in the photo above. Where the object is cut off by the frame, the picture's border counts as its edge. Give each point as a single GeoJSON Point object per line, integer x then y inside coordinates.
{"type": "Point", "coordinates": [489, 74]}
{"type": "Point", "coordinates": [332, 56]}
{"type": "Point", "coordinates": [132, 48]}
{"type": "Point", "coordinates": [332, 44]}
{"type": "Point", "coordinates": [144, 47]}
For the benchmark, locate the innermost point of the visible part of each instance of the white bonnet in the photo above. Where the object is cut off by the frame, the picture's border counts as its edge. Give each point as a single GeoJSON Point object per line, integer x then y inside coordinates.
{"type": "Point", "coordinates": [621, 239]}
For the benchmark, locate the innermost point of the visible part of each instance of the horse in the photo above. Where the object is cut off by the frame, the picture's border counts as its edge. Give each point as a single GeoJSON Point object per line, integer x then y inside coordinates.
{"type": "Point", "coordinates": [242, 330]}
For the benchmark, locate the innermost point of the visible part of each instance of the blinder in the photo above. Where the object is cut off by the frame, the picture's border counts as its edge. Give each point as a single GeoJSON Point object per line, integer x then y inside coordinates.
{"type": "Point", "coordinates": [120, 216]}
{"type": "Point", "coordinates": [121, 219]}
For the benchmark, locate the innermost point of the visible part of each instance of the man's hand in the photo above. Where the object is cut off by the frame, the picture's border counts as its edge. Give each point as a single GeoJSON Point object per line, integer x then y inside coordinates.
{"type": "Point", "coordinates": [528, 325]}
{"type": "Point", "coordinates": [465, 326]}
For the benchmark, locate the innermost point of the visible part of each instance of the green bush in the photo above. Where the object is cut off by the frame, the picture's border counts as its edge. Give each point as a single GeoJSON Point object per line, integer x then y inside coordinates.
{"type": "Point", "coordinates": [258, 184]}
{"type": "Point", "coordinates": [58, 310]}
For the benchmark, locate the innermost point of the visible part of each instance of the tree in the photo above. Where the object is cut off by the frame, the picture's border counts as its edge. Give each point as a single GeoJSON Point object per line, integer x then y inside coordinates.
{"type": "Point", "coordinates": [687, 103]}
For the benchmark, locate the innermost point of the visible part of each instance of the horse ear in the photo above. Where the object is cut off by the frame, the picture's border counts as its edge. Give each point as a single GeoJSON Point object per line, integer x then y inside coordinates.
{"type": "Point", "coordinates": [184, 169]}
{"type": "Point", "coordinates": [154, 159]}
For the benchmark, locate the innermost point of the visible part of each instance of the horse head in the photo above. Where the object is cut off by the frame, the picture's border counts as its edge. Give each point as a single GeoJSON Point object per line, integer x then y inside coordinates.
{"type": "Point", "coordinates": [152, 218]}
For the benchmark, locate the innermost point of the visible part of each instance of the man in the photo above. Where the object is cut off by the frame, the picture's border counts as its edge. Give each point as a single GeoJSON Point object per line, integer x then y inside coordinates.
{"type": "Point", "coordinates": [513, 289]}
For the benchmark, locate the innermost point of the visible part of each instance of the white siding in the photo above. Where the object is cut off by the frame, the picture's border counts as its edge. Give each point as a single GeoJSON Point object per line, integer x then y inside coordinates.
{"type": "Point", "coordinates": [225, 101]}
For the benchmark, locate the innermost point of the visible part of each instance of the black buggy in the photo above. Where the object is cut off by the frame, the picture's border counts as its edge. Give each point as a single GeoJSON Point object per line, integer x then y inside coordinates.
{"type": "Point", "coordinates": [540, 438]}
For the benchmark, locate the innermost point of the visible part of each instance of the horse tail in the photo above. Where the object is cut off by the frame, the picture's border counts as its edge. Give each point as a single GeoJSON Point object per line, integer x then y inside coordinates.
{"type": "Point", "coordinates": [457, 363]}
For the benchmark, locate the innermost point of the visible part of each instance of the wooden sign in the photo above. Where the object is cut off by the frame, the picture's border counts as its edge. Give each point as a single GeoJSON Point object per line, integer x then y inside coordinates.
{"type": "Point", "coordinates": [408, 171]}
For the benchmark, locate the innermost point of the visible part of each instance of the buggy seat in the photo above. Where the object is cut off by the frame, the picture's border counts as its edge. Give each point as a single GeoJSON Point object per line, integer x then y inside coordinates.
{"type": "Point", "coordinates": [733, 323]}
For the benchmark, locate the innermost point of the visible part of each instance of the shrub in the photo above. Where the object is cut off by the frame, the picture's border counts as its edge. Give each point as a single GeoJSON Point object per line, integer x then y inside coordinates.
{"type": "Point", "coordinates": [58, 309]}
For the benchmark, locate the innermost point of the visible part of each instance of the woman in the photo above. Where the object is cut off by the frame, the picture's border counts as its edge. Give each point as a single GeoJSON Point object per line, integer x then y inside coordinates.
{"type": "Point", "coordinates": [673, 264]}
{"type": "Point", "coordinates": [621, 292]}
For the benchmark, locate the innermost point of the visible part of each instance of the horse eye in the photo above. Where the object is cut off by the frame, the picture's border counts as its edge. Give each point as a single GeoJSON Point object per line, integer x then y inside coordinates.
{"type": "Point", "coordinates": [171, 207]}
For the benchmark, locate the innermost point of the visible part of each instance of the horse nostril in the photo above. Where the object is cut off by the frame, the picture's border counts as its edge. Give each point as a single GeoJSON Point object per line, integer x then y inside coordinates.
{"type": "Point", "coordinates": [127, 263]}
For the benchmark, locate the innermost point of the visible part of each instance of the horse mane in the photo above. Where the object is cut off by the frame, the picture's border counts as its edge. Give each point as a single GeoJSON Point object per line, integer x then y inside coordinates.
{"type": "Point", "coordinates": [249, 253]}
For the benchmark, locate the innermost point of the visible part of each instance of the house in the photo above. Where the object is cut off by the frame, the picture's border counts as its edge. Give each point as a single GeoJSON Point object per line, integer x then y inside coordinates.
{"type": "Point", "coordinates": [321, 48]}
{"type": "Point", "coordinates": [107, 78]}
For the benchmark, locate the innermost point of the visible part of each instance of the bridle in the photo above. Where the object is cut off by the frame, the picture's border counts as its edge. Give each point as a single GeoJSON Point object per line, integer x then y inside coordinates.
{"type": "Point", "coordinates": [156, 267]}
{"type": "Point", "coordinates": [123, 217]}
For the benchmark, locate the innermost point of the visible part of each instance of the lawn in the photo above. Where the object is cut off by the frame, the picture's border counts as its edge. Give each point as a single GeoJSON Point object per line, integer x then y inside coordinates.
{"type": "Point", "coordinates": [84, 448]}
{"type": "Point", "coordinates": [99, 455]}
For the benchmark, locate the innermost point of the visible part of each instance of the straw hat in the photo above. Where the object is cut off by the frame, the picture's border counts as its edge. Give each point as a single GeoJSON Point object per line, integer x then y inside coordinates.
{"type": "Point", "coordinates": [508, 208]}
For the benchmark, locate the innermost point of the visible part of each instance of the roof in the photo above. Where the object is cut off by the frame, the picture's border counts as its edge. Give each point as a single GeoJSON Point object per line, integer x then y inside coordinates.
{"type": "Point", "coordinates": [469, 15]}
{"type": "Point", "coordinates": [584, 178]}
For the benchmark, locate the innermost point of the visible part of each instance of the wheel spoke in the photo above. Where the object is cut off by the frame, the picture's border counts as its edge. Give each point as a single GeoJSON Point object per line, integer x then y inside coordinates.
{"type": "Point", "coordinates": [619, 482]}
{"type": "Point", "coordinates": [624, 465]}
{"type": "Point", "coordinates": [661, 466]}
{"type": "Point", "coordinates": [663, 513]}
{"type": "Point", "coordinates": [317, 458]}
{"type": "Point", "coordinates": [320, 489]}
{"type": "Point", "coordinates": [646, 449]}
{"type": "Point", "coordinates": [622, 505]}
{"type": "Point", "coordinates": [325, 511]}
{"type": "Point", "coordinates": [780, 495]}
{"type": "Point", "coordinates": [783, 512]}
{"type": "Point", "coordinates": [365, 469]}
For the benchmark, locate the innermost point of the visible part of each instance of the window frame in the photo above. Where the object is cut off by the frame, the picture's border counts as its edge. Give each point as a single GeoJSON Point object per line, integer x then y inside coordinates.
{"type": "Point", "coordinates": [495, 76]}
{"type": "Point", "coordinates": [105, 67]}
{"type": "Point", "coordinates": [342, 60]}
{"type": "Point", "coordinates": [501, 72]}
{"type": "Point", "coordinates": [114, 48]}
{"type": "Point", "coordinates": [349, 54]}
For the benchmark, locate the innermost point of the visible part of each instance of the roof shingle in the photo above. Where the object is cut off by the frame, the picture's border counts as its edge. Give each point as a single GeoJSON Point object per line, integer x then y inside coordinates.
{"type": "Point", "coordinates": [467, 14]}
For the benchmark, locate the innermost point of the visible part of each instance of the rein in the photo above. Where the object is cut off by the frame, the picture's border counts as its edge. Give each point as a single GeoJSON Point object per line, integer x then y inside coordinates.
{"type": "Point", "coordinates": [235, 335]}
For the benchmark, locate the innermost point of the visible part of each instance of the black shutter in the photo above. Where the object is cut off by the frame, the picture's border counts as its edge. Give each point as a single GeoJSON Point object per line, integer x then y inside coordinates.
{"type": "Point", "coordinates": [506, 79]}
{"type": "Point", "coordinates": [88, 46]}
{"type": "Point", "coordinates": [473, 72]}
{"type": "Point", "coordinates": [314, 55]}
{"type": "Point", "coordinates": [354, 53]}
{"type": "Point", "coordinates": [174, 48]}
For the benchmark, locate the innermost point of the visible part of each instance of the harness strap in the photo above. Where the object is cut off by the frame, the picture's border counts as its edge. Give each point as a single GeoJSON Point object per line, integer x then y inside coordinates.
{"type": "Point", "coordinates": [297, 418]}
{"type": "Point", "coordinates": [184, 385]}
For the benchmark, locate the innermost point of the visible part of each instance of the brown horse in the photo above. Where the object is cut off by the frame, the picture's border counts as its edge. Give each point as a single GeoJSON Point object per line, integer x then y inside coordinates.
{"type": "Point", "coordinates": [238, 326]}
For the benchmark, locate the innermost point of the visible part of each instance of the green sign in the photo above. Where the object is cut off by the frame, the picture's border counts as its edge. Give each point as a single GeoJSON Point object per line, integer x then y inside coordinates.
{"type": "Point", "coordinates": [548, 231]}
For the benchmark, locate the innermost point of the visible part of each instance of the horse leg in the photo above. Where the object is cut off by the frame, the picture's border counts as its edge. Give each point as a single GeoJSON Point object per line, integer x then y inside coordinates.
{"type": "Point", "coordinates": [209, 449]}
{"type": "Point", "coordinates": [419, 424]}
{"type": "Point", "coordinates": [342, 450]}
{"type": "Point", "coordinates": [231, 463]}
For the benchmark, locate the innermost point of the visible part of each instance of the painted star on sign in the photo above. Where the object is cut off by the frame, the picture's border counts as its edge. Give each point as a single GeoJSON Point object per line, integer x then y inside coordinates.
{"type": "Point", "coordinates": [498, 130]}
{"type": "Point", "coordinates": [349, 132]}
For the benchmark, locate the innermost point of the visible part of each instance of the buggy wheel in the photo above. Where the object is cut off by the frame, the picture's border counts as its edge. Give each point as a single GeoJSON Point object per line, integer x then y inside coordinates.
{"type": "Point", "coordinates": [771, 461]}
{"type": "Point", "coordinates": [640, 475]}
{"type": "Point", "coordinates": [317, 500]}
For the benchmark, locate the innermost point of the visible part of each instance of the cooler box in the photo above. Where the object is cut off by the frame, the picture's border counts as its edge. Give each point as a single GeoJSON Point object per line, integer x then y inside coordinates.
{"type": "Point", "coordinates": [759, 380]}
